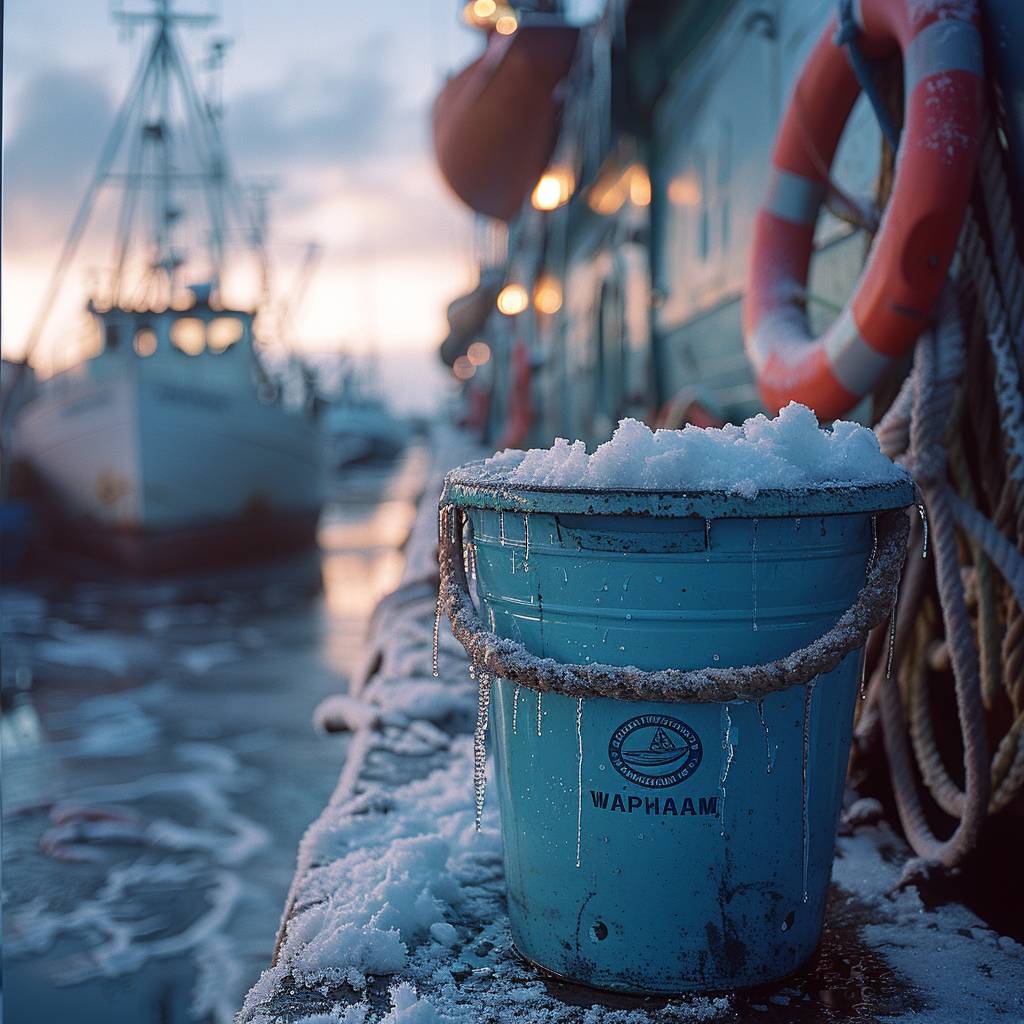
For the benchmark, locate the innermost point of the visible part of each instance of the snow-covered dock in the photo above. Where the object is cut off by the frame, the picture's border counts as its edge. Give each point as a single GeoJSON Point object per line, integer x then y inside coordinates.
{"type": "Point", "coordinates": [396, 913]}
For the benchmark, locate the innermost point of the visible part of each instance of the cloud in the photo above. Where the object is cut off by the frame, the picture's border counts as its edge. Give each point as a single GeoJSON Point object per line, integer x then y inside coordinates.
{"type": "Point", "coordinates": [317, 113]}
{"type": "Point", "coordinates": [63, 117]}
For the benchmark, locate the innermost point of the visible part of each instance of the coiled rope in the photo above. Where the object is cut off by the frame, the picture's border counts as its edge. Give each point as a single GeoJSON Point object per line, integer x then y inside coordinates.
{"type": "Point", "coordinates": [936, 428]}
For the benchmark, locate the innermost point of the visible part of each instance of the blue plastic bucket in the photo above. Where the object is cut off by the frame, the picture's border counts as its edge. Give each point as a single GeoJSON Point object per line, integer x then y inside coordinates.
{"type": "Point", "coordinates": [669, 847]}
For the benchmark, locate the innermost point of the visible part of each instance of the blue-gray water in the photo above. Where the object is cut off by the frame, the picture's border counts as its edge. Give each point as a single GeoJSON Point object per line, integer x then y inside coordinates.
{"type": "Point", "coordinates": [160, 765]}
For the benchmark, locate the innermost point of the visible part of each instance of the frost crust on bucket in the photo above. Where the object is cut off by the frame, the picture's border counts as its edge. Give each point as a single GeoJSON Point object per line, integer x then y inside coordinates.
{"type": "Point", "coordinates": [787, 452]}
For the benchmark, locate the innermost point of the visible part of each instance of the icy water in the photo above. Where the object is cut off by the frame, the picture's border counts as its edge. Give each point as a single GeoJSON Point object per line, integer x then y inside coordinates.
{"type": "Point", "coordinates": [160, 765]}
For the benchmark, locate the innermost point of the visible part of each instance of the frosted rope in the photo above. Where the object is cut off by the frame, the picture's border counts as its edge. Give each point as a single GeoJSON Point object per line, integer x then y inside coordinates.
{"type": "Point", "coordinates": [510, 660]}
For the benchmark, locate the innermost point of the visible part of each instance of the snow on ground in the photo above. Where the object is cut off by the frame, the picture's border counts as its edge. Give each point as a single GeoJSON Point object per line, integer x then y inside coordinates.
{"type": "Point", "coordinates": [965, 971]}
{"type": "Point", "coordinates": [396, 914]}
{"type": "Point", "coordinates": [789, 451]}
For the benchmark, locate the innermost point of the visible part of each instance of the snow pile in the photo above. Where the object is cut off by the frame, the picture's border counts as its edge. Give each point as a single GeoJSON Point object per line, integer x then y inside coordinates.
{"type": "Point", "coordinates": [787, 452]}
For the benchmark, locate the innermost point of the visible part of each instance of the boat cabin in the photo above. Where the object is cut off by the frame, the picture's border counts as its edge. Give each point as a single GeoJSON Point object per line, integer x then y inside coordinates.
{"type": "Point", "coordinates": [198, 330]}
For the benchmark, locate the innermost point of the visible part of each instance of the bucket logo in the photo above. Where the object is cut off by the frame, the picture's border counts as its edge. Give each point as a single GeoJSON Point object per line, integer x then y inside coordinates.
{"type": "Point", "coordinates": [655, 751]}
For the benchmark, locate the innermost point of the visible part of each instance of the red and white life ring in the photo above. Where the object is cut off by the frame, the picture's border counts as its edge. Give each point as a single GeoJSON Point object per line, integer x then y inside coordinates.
{"type": "Point", "coordinates": [943, 96]}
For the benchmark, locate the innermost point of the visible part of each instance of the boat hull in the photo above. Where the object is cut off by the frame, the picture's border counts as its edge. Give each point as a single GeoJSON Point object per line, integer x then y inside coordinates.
{"type": "Point", "coordinates": [148, 468]}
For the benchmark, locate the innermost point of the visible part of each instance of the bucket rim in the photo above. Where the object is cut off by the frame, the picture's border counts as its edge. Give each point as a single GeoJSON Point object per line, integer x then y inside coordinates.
{"type": "Point", "coordinates": [468, 487]}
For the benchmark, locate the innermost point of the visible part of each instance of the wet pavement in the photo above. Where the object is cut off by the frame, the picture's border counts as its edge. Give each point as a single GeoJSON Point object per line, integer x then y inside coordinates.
{"type": "Point", "coordinates": [160, 764]}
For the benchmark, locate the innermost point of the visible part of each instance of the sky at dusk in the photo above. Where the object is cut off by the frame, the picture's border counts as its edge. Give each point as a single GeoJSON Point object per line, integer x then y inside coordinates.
{"type": "Point", "coordinates": [327, 99]}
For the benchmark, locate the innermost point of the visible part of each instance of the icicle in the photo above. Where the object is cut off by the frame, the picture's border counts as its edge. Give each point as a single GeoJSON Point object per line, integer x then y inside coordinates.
{"type": "Point", "coordinates": [490, 618]}
{"type": "Point", "coordinates": [890, 654]}
{"type": "Point", "coordinates": [871, 562]}
{"type": "Point", "coordinates": [565, 575]}
{"type": "Point", "coordinates": [923, 513]}
{"type": "Point", "coordinates": [579, 778]}
{"type": "Point", "coordinates": [707, 534]}
{"type": "Point", "coordinates": [727, 755]}
{"type": "Point", "coordinates": [538, 712]}
{"type": "Point", "coordinates": [767, 738]}
{"type": "Point", "coordinates": [480, 749]}
{"type": "Point", "coordinates": [526, 549]}
{"type": "Point", "coordinates": [753, 584]}
{"type": "Point", "coordinates": [515, 707]}
{"type": "Point", "coordinates": [513, 561]}
{"type": "Point", "coordinates": [501, 528]}
{"type": "Point", "coordinates": [437, 636]}
{"type": "Point", "coordinates": [804, 822]}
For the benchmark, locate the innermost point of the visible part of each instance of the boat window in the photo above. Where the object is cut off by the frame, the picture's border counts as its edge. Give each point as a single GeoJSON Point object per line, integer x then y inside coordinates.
{"type": "Point", "coordinates": [222, 332]}
{"type": "Point", "coordinates": [188, 333]}
{"type": "Point", "coordinates": [145, 341]}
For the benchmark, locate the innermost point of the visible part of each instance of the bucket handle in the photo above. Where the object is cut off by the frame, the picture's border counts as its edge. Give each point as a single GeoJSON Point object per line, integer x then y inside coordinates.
{"type": "Point", "coordinates": [509, 659]}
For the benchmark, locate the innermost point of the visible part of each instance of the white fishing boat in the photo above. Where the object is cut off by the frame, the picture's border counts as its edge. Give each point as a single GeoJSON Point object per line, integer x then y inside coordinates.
{"type": "Point", "coordinates": [169, 441]}
{"type": "Point", "coordinates": [359, 425]}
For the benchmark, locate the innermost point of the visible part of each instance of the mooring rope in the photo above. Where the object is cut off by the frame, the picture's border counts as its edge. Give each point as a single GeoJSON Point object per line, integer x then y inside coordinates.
{"type": "Point", "coordinates": [509, 659]}
{"type": "Point", "coordinates": [924, 429]}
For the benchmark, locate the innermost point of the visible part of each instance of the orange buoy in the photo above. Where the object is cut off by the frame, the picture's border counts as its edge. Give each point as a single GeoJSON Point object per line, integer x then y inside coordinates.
{"type": "Point", "coordinates": [906, 269]}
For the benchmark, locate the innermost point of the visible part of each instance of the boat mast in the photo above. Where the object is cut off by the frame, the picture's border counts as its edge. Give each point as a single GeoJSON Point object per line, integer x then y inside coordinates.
{"type": "Point", "coordinates": [147, 119]}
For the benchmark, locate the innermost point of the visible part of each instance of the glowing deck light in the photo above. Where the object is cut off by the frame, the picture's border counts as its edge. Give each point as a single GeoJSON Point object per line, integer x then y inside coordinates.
{"type": "Point", "coordinates": [463, 368]}
{"type": "Point", "coordinates": [639, 186]}
{"type": "Point", "coordinates": [512, 299]}
{"type": "Point", "coordinates": [553, 188]}
{"type": "Point", "coordinates": [484, 9]}
{"type": "Point", "coordinates": [684, 191]}
{"type": "Point", "coordinates": [608, 196]}
{"type": "Point", "coordinates": [506, 25]}
{"type": "Point", "coordinates": [479, 353]}
{"type": "Point", "coordinates": [547, 296]}
{"type": "Point", "coordinates": [145, 342]}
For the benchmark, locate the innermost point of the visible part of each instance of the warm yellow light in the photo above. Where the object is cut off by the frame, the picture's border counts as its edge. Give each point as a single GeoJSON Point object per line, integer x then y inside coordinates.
{"type": "Point", "coordinates": [553, 188]}
{"type": "Point", "coordinates": [506, 25]}
{"type": "Point", "coordinates": [684, 191]}
{"type": "Point", "coordinates": [145, 341]}
{"type": "Point", "coordinates": [547, 296]}
{"type": "Point", "coordinates": [479, 353]}
{"type": "Point", "coordinates": [484, 13]}
{"type": "Point", "coordinates": [512, 299]}
{"type": "Point", "coordinates": [188, 333]}
{"type": "Point", "coordinates": [463, 368]}
{"type": "Point", "coordinates": [223, 331]}
{"type": "Point", "coordinates": [607, 197]}
{"type": "Point", "coordinates": [639, 186]}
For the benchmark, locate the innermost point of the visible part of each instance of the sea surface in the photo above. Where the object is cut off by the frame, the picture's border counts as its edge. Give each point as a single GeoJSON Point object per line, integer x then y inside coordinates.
{"type": "Point", "coordinates": [160, 764]}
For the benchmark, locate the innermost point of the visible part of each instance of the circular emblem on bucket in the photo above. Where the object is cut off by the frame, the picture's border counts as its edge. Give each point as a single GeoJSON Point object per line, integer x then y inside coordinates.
{"type": "Point", "coordinates": [655, 751]}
